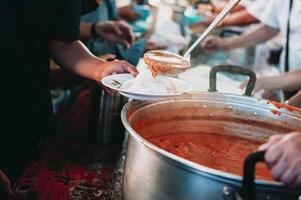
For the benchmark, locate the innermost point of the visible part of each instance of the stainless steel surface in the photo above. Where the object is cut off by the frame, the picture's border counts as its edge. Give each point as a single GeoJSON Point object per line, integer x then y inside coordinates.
{"type": "Point", "coordinates": [109, 128]}
{"type": "Point", "coordinates": [152, 173]}
{"type": "Point", "coordinates": [234, 70]}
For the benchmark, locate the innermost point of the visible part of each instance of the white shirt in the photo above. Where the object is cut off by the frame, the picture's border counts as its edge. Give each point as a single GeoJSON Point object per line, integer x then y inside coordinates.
{"type": "Point", "coordinates": [246, 3]}
{"type": "Point", "coordinates": [257, 8]}
{"type": "Point", "coordinates": [276, 16]}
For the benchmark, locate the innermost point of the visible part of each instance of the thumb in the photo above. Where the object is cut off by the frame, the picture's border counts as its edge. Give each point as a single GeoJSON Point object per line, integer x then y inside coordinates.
{"type": "Point", "coordinates": [210, 44]}
{"type": "Point", "coordinates": [129, 68]}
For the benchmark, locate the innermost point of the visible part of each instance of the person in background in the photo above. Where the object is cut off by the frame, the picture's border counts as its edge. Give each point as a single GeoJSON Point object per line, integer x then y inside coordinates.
{"type": "Point", "coordinates": [245, 13]}
{"type": "Point", "coordinates": [31, 36]}
{"type": "Point", "coordinates": [213, 7]}
{"type": "Point", "coordinates": [126, 11]}
{"type": "Point", "coordinates": [279, 17]}
{"type": "Point", "coordinates": [283, 158]}
{"type": "Point", "coordinates": [104, 33]}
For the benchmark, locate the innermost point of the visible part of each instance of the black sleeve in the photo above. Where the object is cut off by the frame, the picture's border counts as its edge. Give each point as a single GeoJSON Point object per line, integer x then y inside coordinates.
{"type": "Point", "coordinates": [68, 21]}
{"type": "Point", "coordinates": [89, 6]}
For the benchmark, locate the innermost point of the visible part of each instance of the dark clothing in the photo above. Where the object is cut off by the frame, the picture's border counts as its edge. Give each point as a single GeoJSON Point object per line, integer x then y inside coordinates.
{"type": "Point", "coordinates": [27, 26]}
{"type": "Point", "coordinates": [89, 6]}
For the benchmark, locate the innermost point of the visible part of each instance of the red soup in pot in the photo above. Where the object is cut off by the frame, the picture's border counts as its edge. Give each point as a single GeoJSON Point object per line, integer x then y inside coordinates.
{"type": "Point", "coordinates": [216, 151]}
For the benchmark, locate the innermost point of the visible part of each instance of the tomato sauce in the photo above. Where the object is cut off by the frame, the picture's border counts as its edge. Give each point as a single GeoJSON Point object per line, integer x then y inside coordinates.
{"type": "Point", "coordinates": [284, 106]}
{"type": "Point", "coordinates": [276, 112]}
{"type": "Point", "coordinates": [220, 152]}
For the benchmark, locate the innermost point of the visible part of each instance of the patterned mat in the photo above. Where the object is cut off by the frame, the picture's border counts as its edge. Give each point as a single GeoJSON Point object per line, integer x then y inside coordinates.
{"type": "Point", "coordinates": [81, 174]}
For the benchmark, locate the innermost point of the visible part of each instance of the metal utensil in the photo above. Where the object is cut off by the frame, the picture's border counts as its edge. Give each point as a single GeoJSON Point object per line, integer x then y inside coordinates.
{"type": "Point", "coordinates": [116, 83]}
{"type": "Point", "coordinates": [169, 177]}
{"type": "Point", "coordinates": [215, 22]}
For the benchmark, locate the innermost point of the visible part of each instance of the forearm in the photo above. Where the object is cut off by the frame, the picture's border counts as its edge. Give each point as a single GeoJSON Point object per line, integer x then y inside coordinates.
{"type": "Point", "coordinates": [85, 31]}
{"type": "Point", "coordinates": [76, 58]}
{"type": "Point", "coordinates": [289, 81]}
{"type": "Point", "coordinates": [253, 37]}
{"type": "Point", "coordinates": [238, 19]}
{"type": "Point", "coordinates": [220, 6]}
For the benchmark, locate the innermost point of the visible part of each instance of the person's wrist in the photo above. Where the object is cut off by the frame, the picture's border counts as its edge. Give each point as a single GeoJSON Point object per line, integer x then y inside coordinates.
{"type": "Point", "coordinates": [93, 31]}
{"type": "Point", "coordinates": [98, 76]}
{"type": "Point", "coordinates": [225, 44]}
{"type": "Point", "coordinates": [268, 83]}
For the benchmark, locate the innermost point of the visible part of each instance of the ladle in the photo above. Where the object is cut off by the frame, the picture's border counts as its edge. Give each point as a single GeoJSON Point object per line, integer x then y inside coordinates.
{"type": "Point", "coordinates": [208, 30]}
{"type": "Point", "coordinates": [167, 63]}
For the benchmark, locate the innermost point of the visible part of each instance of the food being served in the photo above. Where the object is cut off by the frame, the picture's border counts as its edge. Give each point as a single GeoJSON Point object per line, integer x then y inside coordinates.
{"type": "Point", "coordinates": [220, 152]}
{"type": "Point", "coordinates": [145, 83]}
{"type": "Point", "coordinates": [165, 63]}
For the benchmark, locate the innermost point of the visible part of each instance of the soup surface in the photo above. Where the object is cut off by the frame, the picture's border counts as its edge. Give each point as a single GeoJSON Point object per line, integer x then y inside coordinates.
{"type": "Point", "coordinates": [220, 152]}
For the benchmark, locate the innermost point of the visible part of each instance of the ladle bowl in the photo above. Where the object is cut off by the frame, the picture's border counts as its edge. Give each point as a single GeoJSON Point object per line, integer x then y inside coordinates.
{"type": "Point", "coordinates": [165, 62]}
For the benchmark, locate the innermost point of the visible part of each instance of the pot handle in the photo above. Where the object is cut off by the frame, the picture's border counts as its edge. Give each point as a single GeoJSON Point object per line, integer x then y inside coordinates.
{"type": "Point", "coordinates": [248, 183]}
{"type": "Point", "coordinates": [234, 70]}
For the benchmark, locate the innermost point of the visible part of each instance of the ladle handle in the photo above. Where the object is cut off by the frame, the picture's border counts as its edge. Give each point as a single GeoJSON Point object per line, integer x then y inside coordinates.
{"type": "Point", "coordinates": [234, 70]}
{"type": "Point", "coordinates": [215, 22]}
{"type": "Point", "coordinates": [247, 191]}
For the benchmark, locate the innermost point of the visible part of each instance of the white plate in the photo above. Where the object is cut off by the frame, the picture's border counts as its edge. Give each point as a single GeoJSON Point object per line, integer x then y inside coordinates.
{"type": "Point", "coordinates": [109, 82]}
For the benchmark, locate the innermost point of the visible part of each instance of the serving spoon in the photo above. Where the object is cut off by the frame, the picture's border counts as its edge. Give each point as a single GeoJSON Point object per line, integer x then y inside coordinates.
{"type": "Point", "coordinates": [176, 63]}
{"type": "Point", "coordinates": [209, 29]}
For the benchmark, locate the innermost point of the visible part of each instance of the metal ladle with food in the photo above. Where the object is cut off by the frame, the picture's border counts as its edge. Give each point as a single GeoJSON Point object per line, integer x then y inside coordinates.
{"type": "Point", "coordinates": [154, 84]}
{"type": "Point", "coordinates": [167, 63]}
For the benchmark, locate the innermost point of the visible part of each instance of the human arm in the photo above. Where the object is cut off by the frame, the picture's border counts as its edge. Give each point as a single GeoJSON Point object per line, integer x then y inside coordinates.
{"type": "Point", "coordinates": [288, 81]}
{"type": "Point", "coordinates": [295, 100]}
{"type": "Point", "coordinates": [283, 157]}
{"type": "Point", "coordinates": [115, 32]}
{"type": "Point", "coordinates": [242, 17]}
{"type": "Point", "coordinates": [216, 8]}
{"type": "Point", "coordinates": [76, 58]}
{"type": "Point", "coordinates": [128, 14]}
{"type": "Point", "coordinates": [239, 18]}
{"type": "Point", "coordinates": [251, 38]}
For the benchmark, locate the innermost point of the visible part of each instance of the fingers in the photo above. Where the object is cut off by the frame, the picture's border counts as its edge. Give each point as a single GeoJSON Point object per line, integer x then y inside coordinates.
{"type": "Point", "coordinates": [274, 139]}
{"type": "Point", "coordinates": [273, 153]}
{"type": "Point", "coordinates": [283, 157]}
{"type": "Point", "coordinates": [117, 30]}
{"type": "Point", "coordinates": [279, 168]}
{"type": "Point", "coordinates": [129, 68]}
{"type": "Point", "coordinates": [124, 43]}
{"type": "Point", "coordinates": [117, 67]}
{"type": "Point", "coordinates": [127, 31]}
{"type": "Point", "coordinates": [211, 44]}
{"type": "Point", "coordinates": [290, 176]}
{"type": "Point", "coordinates": [295, 100]}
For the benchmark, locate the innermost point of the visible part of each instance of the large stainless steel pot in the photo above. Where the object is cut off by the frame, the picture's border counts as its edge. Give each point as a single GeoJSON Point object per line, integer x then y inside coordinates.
{"type": "Point", "coordinates": [154, 174]}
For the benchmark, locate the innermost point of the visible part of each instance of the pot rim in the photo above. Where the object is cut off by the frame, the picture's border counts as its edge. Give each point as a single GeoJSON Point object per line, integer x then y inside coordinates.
{"type": "Point", "coordinates": [189, 165]}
